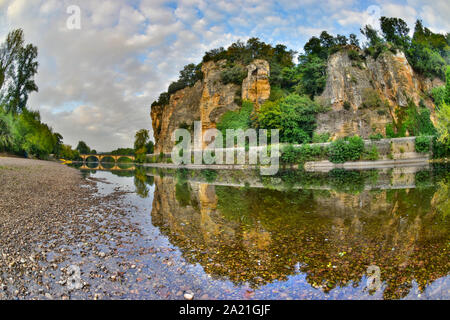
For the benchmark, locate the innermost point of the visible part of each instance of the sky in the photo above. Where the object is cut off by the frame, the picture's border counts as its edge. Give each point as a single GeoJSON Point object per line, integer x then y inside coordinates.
{"type": "Point", "coordinates": [97, 82]}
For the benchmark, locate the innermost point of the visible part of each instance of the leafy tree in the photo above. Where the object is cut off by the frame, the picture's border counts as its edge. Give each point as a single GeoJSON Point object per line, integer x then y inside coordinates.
{"type": "Point", "coordinates": [66, 152]}
{"type": "Point", "coordinates": [313, 74]}
{"type": "Point", "coordinates": [8, 53]}
{"type": "Point", "coordinates": [235, 74]}
{"type": "Point", "coordinates": [6, 138]}
{"type": "Point", "coordinates": [294, 116]}
{"type": "Point", "coordinates": [372, 36]}
{"type": "Point", "coordinates": [239, 119]}
{"type": "Point", "coordinates": [396, 31]}
{"type": "Point", "coordinates": [22, 78]}
{"type": "Point", "coordinates": [140, 139]}
{"type": "Point", "coordinates": [83, 148]}
{"type": "Point", "coordinates": [21, 130]}
{"type": "Point", "coordinates": [140, 154]}
{"type": "Point", "coordinates": [123, 152]}
{"type": "Point", "coordinates": [354, 40]}
{"type": "Point", "coordinates": [341, 150]}
{"type": "Point", "coordinates": [190, 74]}
{"type": "Point", "coordinates": [150, 146]}
{"type": "Point", "coordinates": [443, 114]}
{"type": "Point", "coordinates": [58, 143]}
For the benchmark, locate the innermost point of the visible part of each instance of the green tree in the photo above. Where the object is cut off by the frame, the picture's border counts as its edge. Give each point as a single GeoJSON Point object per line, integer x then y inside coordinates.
{"type": "Point", "coordinates": [313, 74]}
{"type": "Point", "coordinates": [83, 148]}
{"type": "Point", "coordinates": [396, 31]}
{"type": "Point", "coordinates": [22, 78]}
{"type": "Point", "coordinates": [150, 146]}
{"type": "Point", "coordinates": [443, 124]}
{"type": "Point", "coordinates": [140, 139]}
{"type": "Point", "coordinates": [293, 115]}
{"type": "Point", "coordinates": [8, 53]}
{"type": "Point", "coordinates": [372, 36]}
{"type": "Point", "coordinates": [6, 138]}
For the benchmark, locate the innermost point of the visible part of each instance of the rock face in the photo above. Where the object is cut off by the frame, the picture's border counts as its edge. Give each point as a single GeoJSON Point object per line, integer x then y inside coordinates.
{"type": "Point", "coordinates": [208, 100]}
{"type": "Point", "coordinates": [217, 98]}
{"type": "Point", "coordinates": [256, 87]}
{"type": "Point", "coordinates": [182, 110]}
{"type": "Point", "coordinates": [364, 92]}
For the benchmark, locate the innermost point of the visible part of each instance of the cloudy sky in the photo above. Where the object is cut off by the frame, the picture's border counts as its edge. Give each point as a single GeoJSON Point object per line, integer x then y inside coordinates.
{"type": "Point", "coordinates": [96, 83]}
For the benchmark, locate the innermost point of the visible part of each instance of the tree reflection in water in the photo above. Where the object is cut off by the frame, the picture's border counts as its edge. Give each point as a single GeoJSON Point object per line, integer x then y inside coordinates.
{"type": "Point", "coordinates": [330, 232]}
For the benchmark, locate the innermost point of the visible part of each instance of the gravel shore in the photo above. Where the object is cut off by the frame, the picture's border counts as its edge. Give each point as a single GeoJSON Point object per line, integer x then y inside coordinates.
{"type": "Point", "coordinates": [52, 223]}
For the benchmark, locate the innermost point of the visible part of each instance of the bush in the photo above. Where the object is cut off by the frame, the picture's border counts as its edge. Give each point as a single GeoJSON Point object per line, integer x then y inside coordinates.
{"type": "Point", "coordinates": [354, 55]}
{"type": "Point", "coordinates": [236, 74]}
{"type": "Point", "coordinates": [371, 98]}
{"type": "Point", "coordinates": [294, 116]}
{"type": "Point", "coordinates": [239, 119]}
{"type": "Point", "coordinates": [423, 144]}
{"type": "Point", "coordinates": [341, 151]}
{"type": "Point", "coordinates": [376, 136]}
{"type": "Point", "coordinates": [209, 175]}
{"type": "Point", "coordinates": [289, 154]}
{"type": "Point", "coordinates": [372, 154]}
{"type": "Point", "coordinates": [320, 137]}
{"type": "Point", "coordinates": [440, 150]}
{"type": "Point", "coordinates": [347, 105]}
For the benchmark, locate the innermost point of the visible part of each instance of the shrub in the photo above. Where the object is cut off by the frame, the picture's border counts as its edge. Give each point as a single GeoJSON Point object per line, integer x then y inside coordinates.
{"type": "Point", "coordinates": [423, 144]}
{"type": "Point", "coordinates": [376, 136]}
{"type": "Point", "coordinates": [354, 55]}
{"type": "Point", "coordinates": [347, 105]}
{"type": "Point", "coordinates": [341, 151]}
{"type": "Point", "coordinates": [371, 98]}
{"type": "Point", "coordinates": [293, 115]}
{"type": "Point", "coordinates": [209, 175]}
{"type": "Point", "coordinates": [372, 154]}
{"type": "Point", "coordinates": [236, 74]}
{"type": "Point", "coordinates": [321, 137]}
{"type": "Point", "coordinates": [289, 154]}
{"type": "Point", "coordinates": [440, 150]}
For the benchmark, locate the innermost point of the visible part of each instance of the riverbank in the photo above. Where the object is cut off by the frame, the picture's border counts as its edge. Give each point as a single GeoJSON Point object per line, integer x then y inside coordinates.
{"type": "Point", "coordinates": [52, 222]}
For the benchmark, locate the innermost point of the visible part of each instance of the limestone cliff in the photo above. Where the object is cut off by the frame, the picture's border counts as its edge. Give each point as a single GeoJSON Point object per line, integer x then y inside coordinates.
{"type": "Point", "coordinates": [364, 92]}
{"type": "Point", "coordinates": [208, 100]}
{"type": "Point", "coordinates": [256, 86]}
{"type": "Point", "coordinates": [182, 110]}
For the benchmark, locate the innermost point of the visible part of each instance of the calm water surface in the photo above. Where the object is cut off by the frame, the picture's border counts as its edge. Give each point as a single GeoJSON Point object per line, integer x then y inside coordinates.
{"type": "Point", "coordinates": [298, 235]}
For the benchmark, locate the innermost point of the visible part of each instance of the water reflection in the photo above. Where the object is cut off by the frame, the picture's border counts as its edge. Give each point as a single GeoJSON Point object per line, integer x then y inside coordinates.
{"type": "Point", "coordinates": [249, 229]}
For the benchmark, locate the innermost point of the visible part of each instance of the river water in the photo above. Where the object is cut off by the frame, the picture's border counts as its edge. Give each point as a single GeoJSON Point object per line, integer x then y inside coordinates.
{"type": "Point", "coordinates": [238, 235]}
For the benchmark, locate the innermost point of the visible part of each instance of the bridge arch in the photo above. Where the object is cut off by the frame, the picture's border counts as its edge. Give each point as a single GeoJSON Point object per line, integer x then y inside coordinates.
{"type": "Point", "coordinates": [100, 157]}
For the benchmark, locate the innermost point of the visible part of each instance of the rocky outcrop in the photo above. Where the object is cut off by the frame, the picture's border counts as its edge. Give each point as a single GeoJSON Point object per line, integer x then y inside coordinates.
{"type": "Point", "coordinates": [364, 92]}
{"type": "Point", "coordinates": [208, 100]}
{"type": "Point", "coordinates": [181, 111]}
{"type": "Point", "coordinates": [256, 87]}
{"type": "Point", "coordinates": [217, 98]}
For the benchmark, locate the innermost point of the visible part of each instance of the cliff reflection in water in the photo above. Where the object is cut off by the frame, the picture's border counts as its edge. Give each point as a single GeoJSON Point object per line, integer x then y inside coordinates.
{"type": "Point", "coordinates": [267, 230]}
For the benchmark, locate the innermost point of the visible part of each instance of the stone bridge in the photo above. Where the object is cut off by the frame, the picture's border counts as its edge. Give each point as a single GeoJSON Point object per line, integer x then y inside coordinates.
{"type": "Point", "coordinates": [100, 157]}
{"type": "Point", "coordinates": [100, 167]}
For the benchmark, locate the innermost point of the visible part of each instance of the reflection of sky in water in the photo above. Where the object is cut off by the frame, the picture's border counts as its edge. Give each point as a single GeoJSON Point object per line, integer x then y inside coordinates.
{"type": "Point", "coordinates": [193, 245]}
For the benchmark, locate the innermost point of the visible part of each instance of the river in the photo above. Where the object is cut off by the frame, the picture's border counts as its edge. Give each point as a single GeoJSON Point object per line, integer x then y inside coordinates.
{"type": "Point", "coordinates": [377, 234]}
